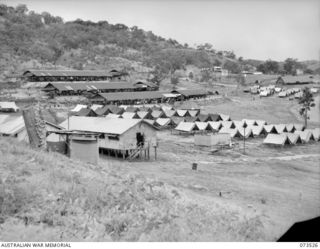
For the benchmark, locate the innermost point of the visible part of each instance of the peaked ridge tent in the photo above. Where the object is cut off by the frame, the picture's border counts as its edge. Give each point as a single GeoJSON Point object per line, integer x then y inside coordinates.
{"type": "Point", "coordinates": [261, 122]}
{"type": "Point", "coordinates": [270, 129]}
{"type": "Point", "coordinates": [85, 112]}
{"type": "Point", "coordinates": [293, 138]}
{"type": "Point", "coordinates": [315, 132]}
{"type": "Point", "coordinates": [102, 111]}
{"type": "Point", "coordinates": [290, 127]}
{"type": "Point", "coordinates": [249, 122]}
{"type": "Point", "coordinates": [298, 127]}
{"type": "Point", "coordinates": [132, 109]}
{"type": "Point", "coordinates": [306, 136]}
{"type": "Point", "coordinates": [78, 108]}
{"type": "Point", "coordinates": [163, 123]}
{"type": "Point", "coordinates": [280, 128]}
{"type": "Point", "coordinates": [169, 113]}
{"type": "Point", "coordinates": [190, 119]}
{"type": "Point", "coordinates": [193, 113]}
{"type": "Point", "coordinates": [203, 117]}
{"type": "Point", "coordinates": [115, 109]}
{"type": "Point", "coordinates": [186, 127]}
{"type": "Point", "coordinates": [246, 133]}
{"type": "Point", "coordinates": [225, 117]}
{"type": "Point", "coordinates": [165, 108]}
{"type": "Point", "coordinates": [202, 126]}
{"type": "Point", "coordinates": [144, 115]}
{"type": "Point", "coordinates": [215, 125]}
{"type": "Point", "coordinates": [130, 115]}
{"type": "Point", "coordinates": [177, 120]}
{"type": "Point", "coordinates": [276, 139]}
{"type": "Point", "coordinates": [182, 113]}
{"type": "Point", "coordinates": [158, 114]}
{"type": "Point", "coordinates": [228, 124]}
{"type": "Point", "coordinates": [233, 132]}
{"type": "Point", "coordinates": [257, 130]}
{"type": "Point", "coordinates": [214, 117]}
{"type": "Point", "coordinates": [149, 121]}
{"type": "Point", "coordinates": [94, 107]}
{"type": "Point", "coordinates": [239, 124]}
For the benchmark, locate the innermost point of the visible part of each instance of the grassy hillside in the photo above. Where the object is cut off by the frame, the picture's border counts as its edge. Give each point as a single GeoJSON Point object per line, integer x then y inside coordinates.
{"type": "Point", "coordinates": [33, 40]}
{"type": "Point", "coordinates": [47, 196]}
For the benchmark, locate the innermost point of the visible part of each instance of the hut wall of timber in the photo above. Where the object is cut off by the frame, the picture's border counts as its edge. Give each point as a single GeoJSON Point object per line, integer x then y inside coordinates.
{"type": "Point", "coordinates": [130, 139]}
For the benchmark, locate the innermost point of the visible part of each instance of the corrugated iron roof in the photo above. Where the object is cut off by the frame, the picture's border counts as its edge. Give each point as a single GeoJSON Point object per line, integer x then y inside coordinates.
{"type": "Point", "coordinates": [105, 125]}
{"type": "Point", "coordinates": [11, 125]}
{"type": "Point", "coordinates": [191, 92]}
{"type": "Point", "coordinates": [69, 73]}
{"type": "Point", "coordinates": [119, 96]}
{"type": "Point", "coordinates": [90, 86]}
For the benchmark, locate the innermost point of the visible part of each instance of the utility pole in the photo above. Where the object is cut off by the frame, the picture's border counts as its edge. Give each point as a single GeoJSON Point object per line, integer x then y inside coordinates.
{"type": "Point", "coordinates": [244, 140]}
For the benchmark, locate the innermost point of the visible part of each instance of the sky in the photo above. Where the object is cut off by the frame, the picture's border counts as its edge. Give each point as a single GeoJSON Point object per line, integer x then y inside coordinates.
{"type": "Point", "coordinates": [255, 29]}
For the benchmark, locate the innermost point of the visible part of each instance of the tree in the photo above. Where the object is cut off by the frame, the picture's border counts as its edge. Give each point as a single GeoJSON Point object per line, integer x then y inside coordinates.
{"type": "Point", "coordinates": [290, 65]}
{"type": "Point", "coordinates": [306, 102]}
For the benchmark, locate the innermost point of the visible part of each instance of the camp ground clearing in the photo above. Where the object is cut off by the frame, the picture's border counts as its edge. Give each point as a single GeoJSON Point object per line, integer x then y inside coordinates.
{"type": "Point", "coordinates": [275, 186]}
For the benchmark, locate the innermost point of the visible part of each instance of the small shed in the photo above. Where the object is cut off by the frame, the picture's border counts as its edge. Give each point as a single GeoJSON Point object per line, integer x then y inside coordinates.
{"type": "Point", "coordinates": [212, 139]}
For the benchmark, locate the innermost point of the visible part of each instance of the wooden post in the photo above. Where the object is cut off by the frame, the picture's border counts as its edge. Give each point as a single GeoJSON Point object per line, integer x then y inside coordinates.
{"type": "Point", "coordinates": [155, 153]}
{"type": "Point", "coordinates": [123, 154]}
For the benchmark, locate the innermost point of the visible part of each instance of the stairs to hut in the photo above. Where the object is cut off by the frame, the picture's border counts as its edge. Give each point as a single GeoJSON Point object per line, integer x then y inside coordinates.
{"type": "Point", "coordinates": [135, 153]}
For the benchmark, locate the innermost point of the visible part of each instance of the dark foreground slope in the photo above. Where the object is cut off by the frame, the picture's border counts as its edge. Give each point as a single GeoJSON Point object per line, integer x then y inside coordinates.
{"type": "Point", "coordinates": [48, 197]}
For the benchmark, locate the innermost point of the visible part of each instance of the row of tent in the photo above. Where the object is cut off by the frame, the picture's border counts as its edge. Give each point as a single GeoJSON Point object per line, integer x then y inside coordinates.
{"type": "Point", "coordinates": [285, 93]}
{"type": "Point", "coordinates": [244, 128]}
{"type": "Point", "coordinates": [149, 113]}
{"type": "Point", "coordinates": [297, 137]}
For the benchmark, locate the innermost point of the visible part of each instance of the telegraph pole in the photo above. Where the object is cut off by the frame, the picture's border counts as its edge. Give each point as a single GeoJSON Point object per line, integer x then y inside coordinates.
{"type": "Point", "coordinates": [244, 140]}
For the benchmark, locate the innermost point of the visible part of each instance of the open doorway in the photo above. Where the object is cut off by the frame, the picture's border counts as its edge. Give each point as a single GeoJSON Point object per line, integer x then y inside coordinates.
{"type": "Point", "coordinates": [140, 139]}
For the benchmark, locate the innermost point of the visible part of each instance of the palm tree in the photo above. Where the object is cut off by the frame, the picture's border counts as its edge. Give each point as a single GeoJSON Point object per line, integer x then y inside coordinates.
{"type": "Point", "coordinates": [306, 102]}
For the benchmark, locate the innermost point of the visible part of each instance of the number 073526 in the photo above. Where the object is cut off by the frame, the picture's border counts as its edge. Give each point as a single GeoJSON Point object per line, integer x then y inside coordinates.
{"type": "Point", "coordinates": [309, 244]}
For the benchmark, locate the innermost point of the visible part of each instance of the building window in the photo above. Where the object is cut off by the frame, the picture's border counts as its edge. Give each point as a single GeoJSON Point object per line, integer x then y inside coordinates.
{"type": "Point", "coordinates": [114, 138]}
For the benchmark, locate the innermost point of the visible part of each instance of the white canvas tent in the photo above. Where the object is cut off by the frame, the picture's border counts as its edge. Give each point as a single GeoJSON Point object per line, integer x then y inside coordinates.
{"type": "Point", "coordinates": [78, 108]}
{"type": "Point", "coordinates": [225, 117]}
{"type": "Point", "coordinates": [232, 132]}
{"type": "Point", "coordinates": [257, 130]}
{"type": "Point", "coordinates": [270, 128]}
{"type": "Point", "coordinates": [193, 113]}
{"type": "Point", "coordinates": [169, 113]}
{"type": "Point", "coordinates": [227, 124]}
{"type": "Point", "coordinates": [298, 127]}
{"type": "Point", "coordinates": [261, 122]}
{"type": "Point", "coordinates": [130, 115]}
{"type": "Point", "coordinates": [181, 113]}
{"type": "Point", "coordinates": [95, 107]}
{"type": "Point", "coordinates": [239, 124]}
{"type": "Point", "coordinates": [216, 126]}
{"type": "Point", "coordinates": [162, 122]}
{"type": "Point", "coordinates": [315, 132]}
{"type": "Point", "coordinates": [306, 136]}
{"type": "Point", "coordinates": [293, 138]}
{"type": "Point", "coordinates": [290, 127]}
{"type": "Point", "coordinates": [202, 126]}
{"type": "Point", "coordinates": [246, 133]}
{"type": "Point", "coordinates": [280, 128]}
{"type": "Point", "coordinates": [186, 127]}
{"type": "Point", "coordinates": [249, 122]}
{"type": "Point", "coordinates": [276, 139]}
